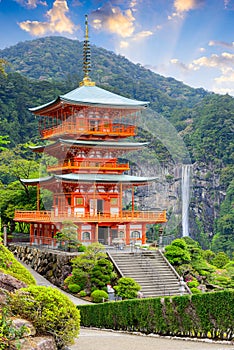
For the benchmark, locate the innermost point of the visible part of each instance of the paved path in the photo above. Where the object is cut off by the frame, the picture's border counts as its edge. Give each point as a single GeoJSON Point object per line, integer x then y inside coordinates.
{"type": "Point", "coordinates": [94, 339]}
{"type": "Point", "coordinates": [41, 281]}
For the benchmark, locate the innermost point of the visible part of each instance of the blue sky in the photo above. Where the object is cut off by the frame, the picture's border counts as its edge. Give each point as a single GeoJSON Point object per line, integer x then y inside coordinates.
{"type": "Point", "coordinates": [190, 40]}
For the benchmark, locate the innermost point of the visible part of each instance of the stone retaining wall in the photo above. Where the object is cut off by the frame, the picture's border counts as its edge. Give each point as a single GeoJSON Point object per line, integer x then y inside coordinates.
{"type": "Point", "coordinates": [53, 265]}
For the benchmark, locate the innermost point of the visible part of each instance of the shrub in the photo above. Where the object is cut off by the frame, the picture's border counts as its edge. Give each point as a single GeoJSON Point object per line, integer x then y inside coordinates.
{"type": "Point", "coordinates": [74, 288]}
{"type": "Point", "coordinates": [195, 290]}
{"type": "Point", "coordinates": [99, 295]}
{"type": "Point", "coordinates": [82, 248]}
{"type": "Point", "coordinates": [83, 293]}
{"type": "Point", "coordinates": [208, 255]}
{"type": "Point", "coordinates": [50, 311]}
{"type": "Point", "coordinates": [177, 252]}
{"type": "Point", "coordinates": [77, 277]}
{"type": "Point", "coordinates": [11, 266]}
{"type": "Point", "coordinates": [8, 331]}
{"type": "Point", "coordinates": [192, 284]}
{"type": "Point", "coordinates": [127, 288]}
{"type": "Point", "coordinates": [220, 260]}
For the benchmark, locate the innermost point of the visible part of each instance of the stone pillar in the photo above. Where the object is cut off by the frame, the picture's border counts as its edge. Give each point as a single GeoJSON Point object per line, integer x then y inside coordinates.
{"type": "Point", "coordinates": [5, 235]}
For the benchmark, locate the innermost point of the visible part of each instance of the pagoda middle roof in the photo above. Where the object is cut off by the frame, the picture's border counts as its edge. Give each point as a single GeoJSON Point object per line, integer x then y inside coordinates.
{"type": "Point", "coordinates": [96, 178]}
{"type": "Point", "coordinates": [93, 96]}
{"type": "Point", "coordinates": [89, 143]}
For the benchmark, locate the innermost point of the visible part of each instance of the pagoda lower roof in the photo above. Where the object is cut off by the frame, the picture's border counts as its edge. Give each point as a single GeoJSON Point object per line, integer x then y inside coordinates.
{"type": "Point", "coordinates": [98, 143]}
{"type": "Point", "coordinates": [92, 96]}
{"type": "Point", "coordinates": [87, 178]}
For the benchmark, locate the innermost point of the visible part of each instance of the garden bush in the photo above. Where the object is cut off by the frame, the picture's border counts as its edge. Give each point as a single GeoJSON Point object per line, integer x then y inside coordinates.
{"type": "Point", "coordinates": [74, 288]}
{"type": "Point", "coordinates": [192, 284]}
{"type": "Point", "coordinates": [8, 331]}
{"type": "Point", "coordinates": [11, 266]}
{"type": "Point", "coordinates": [98, 296]}
{"type": "Point", "coordinates": [177, 252]}
{"type": "Point", "coordinates": [50, 311]}
{"type": "Point", "coordinates": [127, 288]}
{"type": "Point", "coordinates": [195, 290]}
{"type": "Point", "coordinates": [83, 293]}
{"type": "Point", "coordinates": [220, 260]}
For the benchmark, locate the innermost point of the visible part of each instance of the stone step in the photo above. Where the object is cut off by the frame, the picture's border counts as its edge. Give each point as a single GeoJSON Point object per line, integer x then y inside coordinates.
{"type": "Point", "coordinates": [150, 271]}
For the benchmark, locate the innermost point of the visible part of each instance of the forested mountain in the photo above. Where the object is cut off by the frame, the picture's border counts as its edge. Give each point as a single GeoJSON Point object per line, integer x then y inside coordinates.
{"type": "Point", "coordinates": [41, 69]}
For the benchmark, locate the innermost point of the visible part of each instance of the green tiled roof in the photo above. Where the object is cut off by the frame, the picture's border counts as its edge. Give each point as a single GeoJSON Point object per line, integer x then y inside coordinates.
{"type": "Point", "coordinates": [94, 96]}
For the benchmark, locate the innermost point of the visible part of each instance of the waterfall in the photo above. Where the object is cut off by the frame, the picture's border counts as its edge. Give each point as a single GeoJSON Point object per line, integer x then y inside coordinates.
{"type": "Point", "coordinates": [185, 189]}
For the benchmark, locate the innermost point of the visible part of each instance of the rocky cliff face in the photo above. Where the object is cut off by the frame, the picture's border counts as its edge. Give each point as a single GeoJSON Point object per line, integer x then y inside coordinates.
{"type": "Point", "coordinates": [205, 197]}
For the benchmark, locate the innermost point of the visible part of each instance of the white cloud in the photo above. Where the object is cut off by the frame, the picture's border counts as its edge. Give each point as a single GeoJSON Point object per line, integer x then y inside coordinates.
{"type": "Point", "coordinates": [183, 6]}
{"type": "Point", "coordinates": [223, 64]}
{"type": "Point", "coordinates": [219, 61]}
{"type": "Point", "coordinates": [113, 20]}
{"type": "Point", "coordinates": [57, 22]}
{"type": "Point", "coordinates": [141, 35]}
{"type": "Point", "coordinates": [202, 49]}
{"type": "Point", "coordinates": [31, 3]}
{"type": "Point", "coordinates": [222, 44]}
{"type": "Point", "coordinates": [123, 44]}
{"type": "Point", "coordinates": [186, 5]}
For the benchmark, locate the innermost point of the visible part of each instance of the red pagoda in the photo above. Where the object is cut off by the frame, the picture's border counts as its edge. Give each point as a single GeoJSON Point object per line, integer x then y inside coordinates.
{"type": "Point", "coordinates": [87, 130]}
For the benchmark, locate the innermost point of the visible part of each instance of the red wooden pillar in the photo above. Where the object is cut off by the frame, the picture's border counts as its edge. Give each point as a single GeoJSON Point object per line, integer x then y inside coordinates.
{"type": "Point", "coordinates": [127, 234]}
{"type": "Point", "coordinates": [96, 233]}
{"type": "Point", "coordinates": [143, 233]}
{"type": "Point", "coordinates": [79, 232]}
{"type": "Point", "coordinates": [31, 233]}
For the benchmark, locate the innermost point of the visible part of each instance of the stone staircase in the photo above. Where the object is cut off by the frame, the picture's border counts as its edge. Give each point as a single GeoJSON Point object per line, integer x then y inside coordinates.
{"type": "Point", "coordinates": [151, 270]}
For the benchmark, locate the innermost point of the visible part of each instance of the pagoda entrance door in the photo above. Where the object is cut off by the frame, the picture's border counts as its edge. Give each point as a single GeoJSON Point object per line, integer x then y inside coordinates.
{"type": "Point", "coordinates": [104, 235]}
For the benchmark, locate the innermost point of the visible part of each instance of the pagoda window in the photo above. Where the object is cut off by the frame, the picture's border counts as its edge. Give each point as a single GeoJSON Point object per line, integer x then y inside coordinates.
{"type": "Point", "coordinates": [93, 125]}
{"type": "Point", "coordinates": [86, 236]}
{"type": "Point", "coordinates": [79, 201]}
{"type": "Point", "coordinates": [121, 234]}
{"type": "Point", "coordinates": [114, 201]}
{"type": "Point", "coordinates": [68, 198]}
{"type": "Point", "coordinates": [135, 234]}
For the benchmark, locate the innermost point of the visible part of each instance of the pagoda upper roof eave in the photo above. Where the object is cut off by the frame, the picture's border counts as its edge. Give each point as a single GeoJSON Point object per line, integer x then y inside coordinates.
{"type": "Point", "coordinates": [38, 181]}
{"type": "Point", "coordinates": [91, 96]}
{"type": "Point", "coordinates": [97, 143]}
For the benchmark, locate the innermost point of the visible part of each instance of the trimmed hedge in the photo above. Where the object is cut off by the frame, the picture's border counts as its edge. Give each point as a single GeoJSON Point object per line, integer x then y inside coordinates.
{"type": "Point", "coordinates": [206, 315]}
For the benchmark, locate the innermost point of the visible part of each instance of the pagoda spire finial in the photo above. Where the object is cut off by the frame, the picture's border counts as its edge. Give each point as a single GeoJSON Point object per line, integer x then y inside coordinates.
{"type": "Point", "coordinates": [86, 57]}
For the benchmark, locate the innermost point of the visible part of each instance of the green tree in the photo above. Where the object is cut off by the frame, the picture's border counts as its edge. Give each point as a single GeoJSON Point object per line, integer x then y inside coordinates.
{"type": "Point", "coordinates": [68, 235]}
{"type": "Point", "coordinates": [177, 252]}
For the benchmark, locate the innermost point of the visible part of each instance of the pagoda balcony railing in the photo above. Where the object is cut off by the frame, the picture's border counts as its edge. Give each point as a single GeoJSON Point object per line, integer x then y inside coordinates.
{"type": "Point", "coordinates": [119, 130]}
{"type": "Point", "coordinates": [129, 216]}
{"type": "Point", "coordinates": [88, 165]}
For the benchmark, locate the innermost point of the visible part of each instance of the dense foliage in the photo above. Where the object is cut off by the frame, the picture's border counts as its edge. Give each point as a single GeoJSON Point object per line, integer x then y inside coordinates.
{"type": "Point", "coordinates": [11, 266]}
{"type": "Point", "coordinates": [50, 311]}
{"type": "Point", "coordinates": [203, 270]}
{"type": "Point", "coordinates": [199, 315]}
{"type": "Point", "coordinates": [91, 270]}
